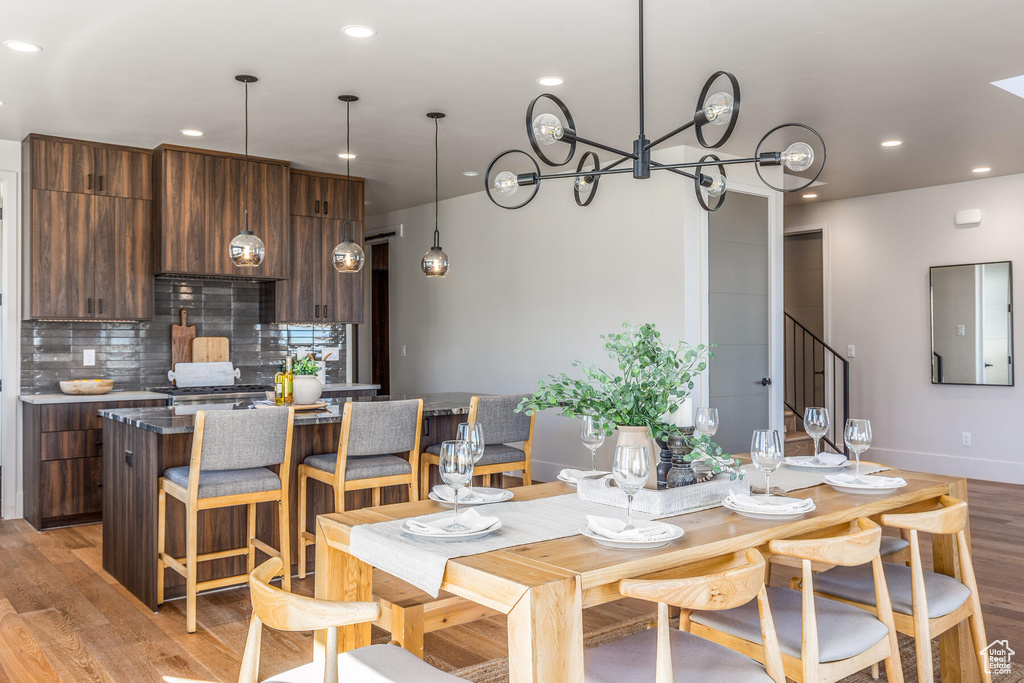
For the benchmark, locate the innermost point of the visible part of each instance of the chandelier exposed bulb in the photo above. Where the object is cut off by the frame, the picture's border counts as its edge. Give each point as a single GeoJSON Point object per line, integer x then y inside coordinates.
{"type": "Point", "coordinates": [798, 157]}
{"type": "Point", "coordinates": [585, 183]}
{"type": "Point", "coordinates": [717, 186]}
{"type": "Point", "coordinates": [718, 109]}
{"type": "Point", "coordinates": [506, 183]}
{"type": "Point", "coordinates": [547, 129]}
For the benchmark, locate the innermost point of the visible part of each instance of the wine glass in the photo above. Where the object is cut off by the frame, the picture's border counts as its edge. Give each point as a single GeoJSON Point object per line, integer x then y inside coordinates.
{"type": "Point", "coordinates": [706, 421]}
{"type": "Point", "coordinates": [816, 422]}
{"type": "Point", "coordinates": [630, 469]}
{"type": "Point", "coordinates": [766, 452]}
{"type": "Point", "coordinates": [858, 440]}
{"type": "Point", "coordinates": [592, 436]}
{"type": "Point", "coordinates": [473, 434]}
{"type": "Point", "coordinates": [456, 467]}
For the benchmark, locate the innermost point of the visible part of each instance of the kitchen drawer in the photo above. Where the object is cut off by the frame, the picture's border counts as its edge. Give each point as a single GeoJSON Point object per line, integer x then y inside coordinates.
{"type": "Point", "coordinates": [65, 417]}
{"type": "Point", "coordinates": [80, 443]}
{"type": "Point", "coordinates": [71, 488]}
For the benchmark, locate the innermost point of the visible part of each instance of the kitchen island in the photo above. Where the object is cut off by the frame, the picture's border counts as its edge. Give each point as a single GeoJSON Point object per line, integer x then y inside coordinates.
{"type": "Point", "coordinates": [139, 444]}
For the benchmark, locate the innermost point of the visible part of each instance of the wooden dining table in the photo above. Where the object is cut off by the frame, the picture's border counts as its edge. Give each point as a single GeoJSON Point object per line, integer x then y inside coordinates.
{"type": "Point", "coordinates": [544, 587]}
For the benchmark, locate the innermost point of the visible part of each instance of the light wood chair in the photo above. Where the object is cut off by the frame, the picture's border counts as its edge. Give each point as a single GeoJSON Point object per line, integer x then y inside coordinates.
{"type": "Point", "coordinates": [848, 640]}
{"type": "Point", "coordinates": [372, 432]}
{"type": "Point", "coordinates": [925, 604]}
{"type": "Point", "coordinates": [232, 452]}
{"type": "Point", "coordinates": [285, 611]}
{"type": "Point", "coordinates": [632, 658]}
{"type": "Point", "coordinates": [502, 426]}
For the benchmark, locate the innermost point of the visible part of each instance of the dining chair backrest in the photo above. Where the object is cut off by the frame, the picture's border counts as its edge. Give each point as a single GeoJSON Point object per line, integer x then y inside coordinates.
{"type": "Point", "coordinates": [501, 422]}
{"type": "Point", "coordinates": [381, 427]}
{"type": "Point", "coordinates": [719, 591]}
{"type": "Point", "coordinates": [286, 611]}
{"type": "Point", "coordinates": [848, 550]}
{"type": "Point", "coordinates": [950, 518]}
{"type": "Point", "coordinates": [242, 439]}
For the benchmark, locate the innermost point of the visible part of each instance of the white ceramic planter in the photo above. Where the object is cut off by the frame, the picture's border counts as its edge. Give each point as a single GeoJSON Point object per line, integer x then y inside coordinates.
{"type": "Point", "coordinates": [638, 436]}
{"type": "Point", "coordinates": [307, 389]}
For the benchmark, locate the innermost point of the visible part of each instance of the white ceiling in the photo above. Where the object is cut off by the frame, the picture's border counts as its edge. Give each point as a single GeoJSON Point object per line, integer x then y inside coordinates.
{"type": "Point", "coordinates": [137, 71]}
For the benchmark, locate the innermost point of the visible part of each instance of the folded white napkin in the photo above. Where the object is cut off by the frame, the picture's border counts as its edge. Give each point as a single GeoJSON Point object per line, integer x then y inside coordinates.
{"type": "Point", "coordinates": [613, 528]}
{"type": "Point", "coordinates": [826, 460]}
{"type": "Point", "coordinates": [874, 481]}
{"type": "Point", "coordinates": [744, 501]}
{"type": "Point", "coordinates": [575, 475]}
{"type": "Point", "coordinates": [435, 527]}
{"type": "Point", "coordinates": [477, 495]}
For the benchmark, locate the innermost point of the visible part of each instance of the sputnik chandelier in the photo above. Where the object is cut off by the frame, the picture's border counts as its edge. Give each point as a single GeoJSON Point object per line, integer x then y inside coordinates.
{"type": "Point", "coordinates": [719, 109]}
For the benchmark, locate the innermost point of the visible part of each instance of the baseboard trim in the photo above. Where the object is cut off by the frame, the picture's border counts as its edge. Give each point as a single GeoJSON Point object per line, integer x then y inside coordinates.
{"type": "Point", "coordinates": [988, 469]}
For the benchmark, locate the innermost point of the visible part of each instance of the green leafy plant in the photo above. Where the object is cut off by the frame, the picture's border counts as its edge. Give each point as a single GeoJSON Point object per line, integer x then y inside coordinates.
{"type": "Point", "coordinates": [306, 366]}
{"type": "Point", "coordinates": [653, 379]}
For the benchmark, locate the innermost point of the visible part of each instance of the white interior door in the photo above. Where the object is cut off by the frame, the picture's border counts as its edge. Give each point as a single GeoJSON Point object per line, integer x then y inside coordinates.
{"type": "Point", "coordinates": [739, 277]}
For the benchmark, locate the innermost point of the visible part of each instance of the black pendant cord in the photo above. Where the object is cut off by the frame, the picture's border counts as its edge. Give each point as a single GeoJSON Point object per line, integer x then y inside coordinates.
{"type": "Point", "coordinates": [348, 154]}
{"type": "Point", "coordinates": [247, 156]}
{"type": "Point", "coordinates": [641, 69]}
{"type": "Point", "coordinates": [437, 233]}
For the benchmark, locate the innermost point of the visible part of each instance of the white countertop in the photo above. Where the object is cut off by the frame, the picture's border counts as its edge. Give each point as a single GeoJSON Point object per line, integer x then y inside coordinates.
{"type": "Point", "coordinates": [45, 399]}
{"type": "Point", "coordinates": [347, 386]}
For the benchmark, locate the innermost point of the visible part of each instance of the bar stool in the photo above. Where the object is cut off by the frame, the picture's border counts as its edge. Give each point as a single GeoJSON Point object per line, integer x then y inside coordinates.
{"type": "Point", "coordinates": [372, 432]}
{"type": "Point", "coordinates": [502, 426]}
{"type": "Point", "coordinates": [232, 452]}
{"type": "Point", "coordinates": [925, 604]}
{"type": "Point", "coordinates": [633, 658]}
{"type": "Point", "coordinates": [289, 612]}
{"type": "Point", "coordinates": [849, 639]}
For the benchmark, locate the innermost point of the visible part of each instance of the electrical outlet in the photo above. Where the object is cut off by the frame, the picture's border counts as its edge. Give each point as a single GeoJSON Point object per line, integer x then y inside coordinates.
{"type": "Point", "coordinates": [403, 350]}
{"type": "Point", "coordinates": [960, 330]}
{"type": "Point", "coordinates": [89, 357]}
{"type": "Point", "coordinates": [851, 351]}
{"type": "Point", "coordinates": [965, 439]}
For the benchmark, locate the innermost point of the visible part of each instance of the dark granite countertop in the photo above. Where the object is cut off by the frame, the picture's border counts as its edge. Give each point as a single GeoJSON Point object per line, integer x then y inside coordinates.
{"type": "Point", "coordinates": [180, 419]}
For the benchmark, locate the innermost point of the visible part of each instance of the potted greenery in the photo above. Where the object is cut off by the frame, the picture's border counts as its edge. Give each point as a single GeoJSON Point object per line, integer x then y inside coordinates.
{"type": "Point", "coordinates": [306, 386]}
{"type": "Point", "coordinates": [639, 401]}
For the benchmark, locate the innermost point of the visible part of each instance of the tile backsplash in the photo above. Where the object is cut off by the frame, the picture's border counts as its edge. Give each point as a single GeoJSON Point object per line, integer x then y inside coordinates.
{"type": "Point", "coordinates": [138, 355]}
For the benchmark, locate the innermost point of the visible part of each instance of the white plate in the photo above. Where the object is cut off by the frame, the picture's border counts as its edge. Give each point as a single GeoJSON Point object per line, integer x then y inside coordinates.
{"type": "Point", "coordinates": [630, 545]}
{"type": "Point", "coordinates": [869, 490]}
{"type": "Point", "coordinates": [506, 495]}
{"type": "Point", "coordinates": [800, 462]}
{"type": "Point", "coordinates": [454, 535]}
{"type": "Point", "coordinates": [752, 514]}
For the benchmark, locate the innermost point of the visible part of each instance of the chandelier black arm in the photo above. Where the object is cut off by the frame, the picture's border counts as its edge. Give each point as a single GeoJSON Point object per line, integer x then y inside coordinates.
{"type": "Point", "coordinates": [666, 136]}
{"type": "Point", "coordinates": [606, 148]}
{"type": "Point", "coordinates": [662, 167]}
{"type": "Point", "coordinates": [702, 164]}
{"type": "Point", "coordinates": [583, 174]}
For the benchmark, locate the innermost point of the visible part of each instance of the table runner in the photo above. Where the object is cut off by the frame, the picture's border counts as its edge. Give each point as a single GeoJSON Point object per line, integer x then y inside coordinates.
{"type": "Point", "coordinates": [789, 479]}
{"type": "Point", "coordinates": [422, 562]}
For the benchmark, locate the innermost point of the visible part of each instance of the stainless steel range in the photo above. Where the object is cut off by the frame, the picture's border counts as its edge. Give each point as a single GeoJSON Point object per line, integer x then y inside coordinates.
{"type": "Point", "coordinates": [213, 394]}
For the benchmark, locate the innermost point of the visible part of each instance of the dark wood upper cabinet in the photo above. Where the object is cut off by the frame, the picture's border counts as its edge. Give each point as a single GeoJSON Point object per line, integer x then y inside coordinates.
{"type": "Point", "coordinates": [326, 196]}
{"type": "Point", "coordinates": [342, 292]}
{"type": "Point", "coordinates": [201, 200]}
{"type": "Point", "coordinates": [90, 168]}
{"type": "Point", "coordinates": [305, 194]}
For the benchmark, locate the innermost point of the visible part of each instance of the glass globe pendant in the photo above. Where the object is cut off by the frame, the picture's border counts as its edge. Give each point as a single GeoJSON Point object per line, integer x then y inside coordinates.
{"type": "Point", "coordinates": [246, 250]}
{"type": "Point", "coordinates": [435, 262]}
{"type": "Point", "coordinates": [348, 257]}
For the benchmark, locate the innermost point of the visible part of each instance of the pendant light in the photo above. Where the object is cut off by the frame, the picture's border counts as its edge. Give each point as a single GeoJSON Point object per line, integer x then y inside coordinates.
{"type": "Point", "coordinates": [435, 262]}
{"type": "Point", "coordinates": [246, 249]}
{"type": "Point", "coordinates": [348, 257]}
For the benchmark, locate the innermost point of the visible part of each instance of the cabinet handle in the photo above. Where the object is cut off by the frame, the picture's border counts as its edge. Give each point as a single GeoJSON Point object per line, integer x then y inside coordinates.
{"type": "Point", "coordinates": [88, 306]}
{"type": "Point", "coordinates": [325, 311]}
{"type": "Point", "coordinates": [89, 186]}
{"type": "Point", "coordinates": [101, 306]}
{"type": "Point", "coordinates": [317, 209]}
{"type": "Point", "coordinates": [100, 181]}
{"type": "Point", "coordinates": [318, 310]}
{"type": "Point", "coordinates": [325, 208]}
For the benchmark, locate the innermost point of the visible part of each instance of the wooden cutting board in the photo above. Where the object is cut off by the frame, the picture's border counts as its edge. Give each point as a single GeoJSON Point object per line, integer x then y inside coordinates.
{"type": "Point", "coordinates": [181, 340]}
{"type": "Point", "coordinates": [211, 349]}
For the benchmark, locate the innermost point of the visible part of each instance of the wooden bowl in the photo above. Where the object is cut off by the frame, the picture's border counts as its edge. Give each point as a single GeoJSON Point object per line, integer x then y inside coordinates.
{"type": "Point", "coordinates": [83, 387]}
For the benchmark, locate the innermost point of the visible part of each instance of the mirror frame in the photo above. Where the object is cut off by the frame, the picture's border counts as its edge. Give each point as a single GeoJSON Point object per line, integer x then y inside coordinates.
{"type": "Point", "coordinates": [931, 324]}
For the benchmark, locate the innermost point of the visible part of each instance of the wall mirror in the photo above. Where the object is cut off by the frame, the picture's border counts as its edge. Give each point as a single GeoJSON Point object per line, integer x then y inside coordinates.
{"type": "Point", "coordinates": [972, 324]}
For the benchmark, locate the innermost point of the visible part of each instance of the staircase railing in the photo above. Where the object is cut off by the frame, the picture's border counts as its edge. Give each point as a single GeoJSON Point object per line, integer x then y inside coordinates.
{"type": "Point", "coordinates": [809, 358]}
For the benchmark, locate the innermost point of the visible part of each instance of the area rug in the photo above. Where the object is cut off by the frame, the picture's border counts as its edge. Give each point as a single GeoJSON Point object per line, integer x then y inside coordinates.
{"type": "Point", "coordinates": [496, 670]}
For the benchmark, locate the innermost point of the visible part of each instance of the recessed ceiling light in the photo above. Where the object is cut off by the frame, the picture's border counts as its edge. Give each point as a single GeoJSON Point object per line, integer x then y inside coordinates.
{"type": "Point", "coordinates": [22, 46]}
{"type": "Point", "coordinates": [981, 169]}
{"type": "Point", "coordinates": [345, 155]}
{"type": "Point", "coordinates": [1, 103]}
{"type": "Point", "coordinates": [192, 132]}
{"type": "Point", "coordinates": [892, 143]}
{"type": "Point", "coordinates": [810, 195]}
{"type": "Point", "coordinates": [471, 174]}
{"type": "Point", "coordinates": [551, 80]}
{"type": "Point", "coordinates": [356, 31]}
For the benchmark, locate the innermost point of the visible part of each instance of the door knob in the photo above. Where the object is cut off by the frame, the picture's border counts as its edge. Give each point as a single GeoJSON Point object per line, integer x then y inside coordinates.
{"type": "Point", "coordinates": [765, 381]}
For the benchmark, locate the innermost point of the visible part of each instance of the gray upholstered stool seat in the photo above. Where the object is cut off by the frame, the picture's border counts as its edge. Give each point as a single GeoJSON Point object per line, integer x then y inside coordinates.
{"type": "Point", "coordinates": [843, 630]}
{"type": "Point", "coordinates": [371, 664]}
{"type": "Point", "coordinates": [361, 466]}
{"type": "Point", "coordinates": [493, 454]}
{"type": "Point", "coordinates": [944, 593]}
{"type": "Point", "coordinates": [216, 483]}
{"type": "Point", "coordinates": [890, 545]}
{"type": "Point", "coordinates": [635, 657]}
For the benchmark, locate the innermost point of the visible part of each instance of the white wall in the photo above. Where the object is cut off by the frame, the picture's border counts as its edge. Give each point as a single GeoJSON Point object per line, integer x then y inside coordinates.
{"type": "Point", "coordinates": [10, 285]}
{"type": "Point", "coordinates": [530, 291]}
{"type": "Point", "coordinates": [881, 248]}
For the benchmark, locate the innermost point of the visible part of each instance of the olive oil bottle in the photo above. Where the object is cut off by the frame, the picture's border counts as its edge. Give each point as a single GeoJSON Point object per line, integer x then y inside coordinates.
{"type": "Point", "coordinates": [279, 386]}
{"type": "Point", "coordinates": [289, 382]}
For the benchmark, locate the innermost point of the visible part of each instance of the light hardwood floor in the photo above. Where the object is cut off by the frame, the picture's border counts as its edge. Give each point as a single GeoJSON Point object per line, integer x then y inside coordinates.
{"type": "Point", "coordinates": [63, 618]}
